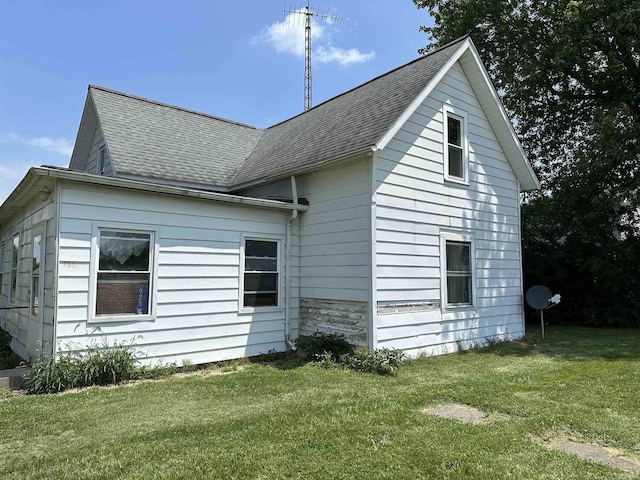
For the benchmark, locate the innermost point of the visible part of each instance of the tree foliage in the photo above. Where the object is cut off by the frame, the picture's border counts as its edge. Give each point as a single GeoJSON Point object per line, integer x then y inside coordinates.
{"type": "Point", "coordinates": [568, 73]}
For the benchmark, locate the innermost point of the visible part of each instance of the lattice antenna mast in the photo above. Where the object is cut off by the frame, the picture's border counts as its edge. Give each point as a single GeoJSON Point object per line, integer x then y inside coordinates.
{"type": "Point", "coordinates": [307, 47]}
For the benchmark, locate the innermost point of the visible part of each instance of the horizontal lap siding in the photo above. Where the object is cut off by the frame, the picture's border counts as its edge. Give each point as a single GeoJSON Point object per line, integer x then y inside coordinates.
{"type": "Point", "coordinates": [414, 204]}
{"type": "Point", "coordinates": [197, 282]}
{"type": "Point", "coordinates": [335, 233]}
{"type": "Point", "coordinates": [30, 338]}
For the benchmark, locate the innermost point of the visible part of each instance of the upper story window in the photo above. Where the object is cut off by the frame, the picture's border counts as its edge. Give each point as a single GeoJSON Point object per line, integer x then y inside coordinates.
{"type": "Point", "coordinates": [456, 152]}
{"type": "Point", "coordinates": [102, 160]}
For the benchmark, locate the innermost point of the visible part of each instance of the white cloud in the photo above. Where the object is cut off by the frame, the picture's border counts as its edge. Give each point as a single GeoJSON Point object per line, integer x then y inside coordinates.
{"type": "Point", "coordinates": [62, 146]}
{"type": "Point", "coordinates": [343, 57]}
{"type": "Point", "coordinates": [288, 37]}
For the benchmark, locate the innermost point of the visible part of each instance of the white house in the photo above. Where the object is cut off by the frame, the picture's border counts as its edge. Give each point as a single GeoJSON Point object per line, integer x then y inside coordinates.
{"type": "Point", "coordinates": [389, 213]}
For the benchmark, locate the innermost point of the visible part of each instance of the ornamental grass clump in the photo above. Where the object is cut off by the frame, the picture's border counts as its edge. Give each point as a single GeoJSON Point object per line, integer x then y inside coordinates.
{"type": "Point", "coordinates": [99, 364]}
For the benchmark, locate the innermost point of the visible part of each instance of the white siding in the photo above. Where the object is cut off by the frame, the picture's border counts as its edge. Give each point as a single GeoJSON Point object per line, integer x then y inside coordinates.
{"type": "Point", "coordinates": [32, 336]}
{"type": "Point", "coordinates": [198, 275]}
{"type": "Point", "coordinates": [414, 205]}
{"type": "Point", "coordinates": [335, 239]}
{"type": "Point", "coordinates": [94, 154]}
{"type": "Point", "coordinates": [334, 232]}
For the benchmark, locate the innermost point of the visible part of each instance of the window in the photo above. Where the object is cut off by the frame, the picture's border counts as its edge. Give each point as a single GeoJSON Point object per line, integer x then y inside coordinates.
{"type": "Point", "coordinates": [457, 270]}
{"type": "Point", "coordinates": [123, 280]}
{"type": "Point", "coordinates": [13, 274]}
{"type": "Point", "coordinates": [35, 274]}
{"type": "Point", "coordinates": [1, 267]}
{"type": "Point", "coordinates": [456, 157]}
{"type": "Point", "coordinates": [261, 273]}
{"type": "Point", "coordinates": [102, 161]}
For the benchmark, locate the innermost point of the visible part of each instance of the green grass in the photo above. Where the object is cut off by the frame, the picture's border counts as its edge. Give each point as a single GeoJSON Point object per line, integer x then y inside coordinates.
{"type": "Point", "coordinates": [290, 420]}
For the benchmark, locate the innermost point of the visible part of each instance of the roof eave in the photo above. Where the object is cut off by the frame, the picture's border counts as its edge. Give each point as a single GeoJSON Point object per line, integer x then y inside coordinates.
{"type": "Point", "coordinates": [89, 178]}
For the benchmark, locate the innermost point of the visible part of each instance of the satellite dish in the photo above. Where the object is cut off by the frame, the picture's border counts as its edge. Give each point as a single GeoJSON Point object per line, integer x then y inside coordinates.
{"type": "Point", "coordinates": [538, 297]}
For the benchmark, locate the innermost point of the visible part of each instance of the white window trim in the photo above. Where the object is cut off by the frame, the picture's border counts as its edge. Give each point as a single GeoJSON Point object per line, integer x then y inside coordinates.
{"type": "Point", "coordinates": [153, 280]}
{"type": "Point", "coordinates": [2, 258]}
{"type": "Point", "coordinates": [269, 238]}
{"type": "Point", "coordinates": [456, 237]}
{"type": "Point", "coordinates": [14, 299]}
{"type": "Point", "coordinates": [37, 230]}
{"type": "Point", "coordinates": [101, 166]}
{"type": "Point", "coordinates": [450, 111]}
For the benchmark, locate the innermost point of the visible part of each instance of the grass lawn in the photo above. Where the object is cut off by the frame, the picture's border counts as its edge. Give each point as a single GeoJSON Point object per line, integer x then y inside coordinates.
{"type": "Point", "coordinates": [291, 420]}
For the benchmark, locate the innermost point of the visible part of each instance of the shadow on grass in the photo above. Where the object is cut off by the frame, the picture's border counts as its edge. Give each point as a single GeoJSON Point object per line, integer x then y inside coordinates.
{"type": "Point", "coordinates": [280, 360]}
{"type": "Point", "coordinates": [573, 343]}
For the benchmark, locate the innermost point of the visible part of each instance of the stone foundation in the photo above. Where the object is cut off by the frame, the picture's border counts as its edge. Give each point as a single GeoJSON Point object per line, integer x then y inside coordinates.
{"type": "Point", "coordinates": [334, 316]}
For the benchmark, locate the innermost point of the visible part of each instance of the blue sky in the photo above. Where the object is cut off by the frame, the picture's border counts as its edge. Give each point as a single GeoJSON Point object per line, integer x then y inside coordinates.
{"type": "Point", "coordinates": [237, 60]}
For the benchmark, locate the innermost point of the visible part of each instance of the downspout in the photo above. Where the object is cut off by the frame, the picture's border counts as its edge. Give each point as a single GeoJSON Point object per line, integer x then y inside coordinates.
{"type": "Point", "coordinates": [287, 288]}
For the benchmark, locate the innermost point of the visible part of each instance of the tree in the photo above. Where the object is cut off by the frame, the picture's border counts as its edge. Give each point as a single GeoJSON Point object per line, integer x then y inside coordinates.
{"type": "Point", "coordinates": [568, 73]}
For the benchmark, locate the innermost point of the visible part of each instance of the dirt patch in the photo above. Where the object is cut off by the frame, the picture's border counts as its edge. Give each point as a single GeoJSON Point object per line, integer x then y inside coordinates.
{"type": "Point", "coordinates": [461, 413]}
{"type": "Point", "coordinates": [602, 455]}
{"type": "Point", "coordinates": [610, 457]}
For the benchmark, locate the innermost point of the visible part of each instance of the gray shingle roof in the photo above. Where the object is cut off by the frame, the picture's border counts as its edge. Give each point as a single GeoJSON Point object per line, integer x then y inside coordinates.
{"type": "Point", "coordinates": [347, 123]}
{"type": "Point", "coordinates": [155, 140]}
{"type": "Point", "coordinates": [158, 141]}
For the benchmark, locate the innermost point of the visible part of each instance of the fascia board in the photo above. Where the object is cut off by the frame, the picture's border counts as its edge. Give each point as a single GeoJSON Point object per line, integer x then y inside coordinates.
{"type": "Point", "coordinates": [500, 122]}
{"type": "Point", "coordinates": [415, 104]}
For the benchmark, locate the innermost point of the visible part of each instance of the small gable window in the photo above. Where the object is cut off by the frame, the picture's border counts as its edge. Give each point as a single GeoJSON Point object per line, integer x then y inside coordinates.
{"type": "Point", "coordinates": [102, 161]}
{"type": "Point", "coordinates": [456, 150]}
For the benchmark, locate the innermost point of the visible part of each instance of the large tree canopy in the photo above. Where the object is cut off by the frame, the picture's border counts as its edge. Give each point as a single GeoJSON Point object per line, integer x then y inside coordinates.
{"type": "Point", "coordinates": [568, 73]}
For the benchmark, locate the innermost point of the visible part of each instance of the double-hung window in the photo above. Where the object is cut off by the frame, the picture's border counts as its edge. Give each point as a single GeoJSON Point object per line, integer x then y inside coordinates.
{"type": "Point", "coordinates": [124, 280]}
{"type": "Point", "coordinates": [13, 273]}
{"type": "Point", "coordinates": [458, 277]}
{"type": "Point", "coordinates": [261, 275]}
{"type": "Point", "coordinates": [456, 149]}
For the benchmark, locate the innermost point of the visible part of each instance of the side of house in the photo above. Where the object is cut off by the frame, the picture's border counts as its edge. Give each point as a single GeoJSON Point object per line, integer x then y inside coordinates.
{"type": "Point", "coordinates": [182, 278]}
{"type": "Point", "coordinates": [447, 228]}
{"type": "Point", "coordinates": [335, 247]}
{"type": "Point", "coordinates": [27, 270]}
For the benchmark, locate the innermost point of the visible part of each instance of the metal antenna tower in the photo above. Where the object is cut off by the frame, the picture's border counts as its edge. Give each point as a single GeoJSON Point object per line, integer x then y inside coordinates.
{"type": "Point", "coordinates": [307, 47]}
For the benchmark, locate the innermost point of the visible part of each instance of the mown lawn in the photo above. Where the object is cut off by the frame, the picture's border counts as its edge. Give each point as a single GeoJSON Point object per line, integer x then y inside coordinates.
{"type": "Point", "coordinates": [297, 421]}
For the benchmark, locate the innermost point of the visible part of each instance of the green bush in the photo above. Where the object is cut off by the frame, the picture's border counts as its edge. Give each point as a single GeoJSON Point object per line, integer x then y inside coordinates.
{"type": "Point", "coordinates": [382, 361]}
{"type": "Point", "coordinates": [320, 343]}
{"type": "Point", "coordinates": [5, 342]}
{"type": "Point", "coordinates": [100, 364]}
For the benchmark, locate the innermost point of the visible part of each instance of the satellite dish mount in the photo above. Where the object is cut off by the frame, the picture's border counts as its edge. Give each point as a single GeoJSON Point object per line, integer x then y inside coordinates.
{"type": "Point", "coordinates": [539, 298]}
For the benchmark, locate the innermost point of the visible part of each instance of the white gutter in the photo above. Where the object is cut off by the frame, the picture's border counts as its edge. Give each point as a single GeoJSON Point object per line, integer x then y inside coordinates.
{"type": "Point", "coordinates": [287, 288]}
{"type": "Point", "coordinates": [166, 189]}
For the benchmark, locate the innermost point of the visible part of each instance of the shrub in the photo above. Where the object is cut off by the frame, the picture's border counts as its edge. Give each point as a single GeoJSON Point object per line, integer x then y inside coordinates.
{"type": "Point", "coordinates": [5, 342]}
{"type": "Point", "coordinates": [100, 364]}
{"type": "Point", "coordinates": [320, 343]}
{"type": "Point", "coordinates": [382, 361]}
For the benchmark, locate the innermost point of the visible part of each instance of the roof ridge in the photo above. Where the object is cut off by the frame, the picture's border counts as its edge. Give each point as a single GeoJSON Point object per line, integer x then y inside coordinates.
{"type": "Point", "coordinates": [415, 60]}
{"type": "Point", "coordinates": [168, 105]}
